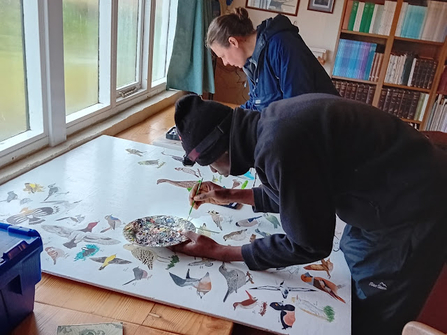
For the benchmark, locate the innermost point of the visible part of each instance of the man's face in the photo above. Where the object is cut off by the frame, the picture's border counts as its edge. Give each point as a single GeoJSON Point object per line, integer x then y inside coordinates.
{"type": "Point", "coordinates": [232, 55]}
{"type": "Point", "coordinates": [222, 165]}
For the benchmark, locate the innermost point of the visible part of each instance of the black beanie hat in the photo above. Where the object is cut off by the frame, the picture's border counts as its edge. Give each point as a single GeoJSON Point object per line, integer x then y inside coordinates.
{"type": "Point", "coordinates": [195, 120]}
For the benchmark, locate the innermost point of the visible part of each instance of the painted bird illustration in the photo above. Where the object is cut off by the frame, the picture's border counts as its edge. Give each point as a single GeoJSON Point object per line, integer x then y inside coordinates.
{"type": "Point", "coordinates": [247, 303]}
{"type": "Point", "coordinates": [217, 218]}
{"type": "Point", "coordinates": [262, 233]}
{"type": "Point", "coordinates": [149, 162]}
{"type": "Point", "coordinates": [33, 188]}
{"type": "Point", "coordinates": [283, 288]}
{"type": "Point", "coordinates": [77, 218]}
{"type": "Point", "coordinates": [52, 190]}
{"type": "Point", "coordinates": [174, 260]}
{"type": "Point", "coordinates": [235, 279]}
{"type": "Point", "coordinates": [188, 184]}
{"type": "Point", "coordinates": [202, 285]}
{"type": "Point", "coordinates": [273, 219]}
{"type": "Point", "coordinates": [135, 152]}
{"type": "Point", "coordinates": [236, 235]}
{"type": "Point", "coordinates": [248, 222]}
{"type": "Point", "coordinates": [138, 275]}
{"type": "Point", "coordinates": [66, 204]}
{"type": "Point", "coordinates": [203, 230]}
{"type": "Point", "coordinates": [323, 285]}
{"type": "Point", "coordinates": [33, 216]}
{"type": "Point", "coordinates": [55, 253]}
{"type": "Point", "coordinates": [145, 255]}
{"type": "Point", "coordinates": [177, 158]}
{"type": "Point", "coordinates": [287, 314]}
{"type": "Point", "coordinates": [203, 262]}
{"type": "Point", "coordinates": [236, 183]}
{"type": "Point", "coordinates": [25, 201]}
{"type": "Point", "coordinates": [326, 313]}
{"type": "Point", "coordinates": [112, 221]}
{"type": "Point", "coordinates": [112, 259]}
{"type": "Point", "coordinates": [327, 266]}
{"type": "Point", "coordinates": [188, 170]}
{"type": "Point", "coordinates": [87, 251]}
{"type": "Point", "coordinates": [11, 196]}
{"type": "Point", "coordinates": [76, 236]}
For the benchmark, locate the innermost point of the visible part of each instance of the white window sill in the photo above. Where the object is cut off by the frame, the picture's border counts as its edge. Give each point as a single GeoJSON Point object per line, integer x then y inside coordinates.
{"type": "Point", "coordinates": [111, 126]}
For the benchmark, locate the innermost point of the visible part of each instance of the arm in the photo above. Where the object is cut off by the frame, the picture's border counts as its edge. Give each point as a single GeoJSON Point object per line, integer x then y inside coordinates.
{"type": "Point", "coordinates": [202, 246]}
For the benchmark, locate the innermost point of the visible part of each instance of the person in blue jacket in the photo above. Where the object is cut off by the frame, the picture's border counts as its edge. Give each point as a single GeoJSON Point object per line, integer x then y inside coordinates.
{"type": "Point", "coordinates": [277, 62]}
{"type": "Point", "coordinates": [318, 156]}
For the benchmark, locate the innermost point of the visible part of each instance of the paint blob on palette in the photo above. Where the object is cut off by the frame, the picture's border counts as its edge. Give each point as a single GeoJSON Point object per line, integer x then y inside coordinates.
{"type": "Point", "coordinates": [157, 230]}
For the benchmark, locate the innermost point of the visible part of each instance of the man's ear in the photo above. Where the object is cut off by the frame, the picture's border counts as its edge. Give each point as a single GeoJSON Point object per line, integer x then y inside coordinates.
{"type": "Point", "coordinates": [233, 41]}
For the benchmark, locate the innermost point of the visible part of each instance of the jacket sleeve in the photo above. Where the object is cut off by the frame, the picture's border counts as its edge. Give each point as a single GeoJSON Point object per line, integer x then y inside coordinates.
{"type": "Point", "coordinates": [294, 65]}
{"type": "Point", "coordinates": [263, 203]}
{"type": "Point", "coordinates": [306, 209]}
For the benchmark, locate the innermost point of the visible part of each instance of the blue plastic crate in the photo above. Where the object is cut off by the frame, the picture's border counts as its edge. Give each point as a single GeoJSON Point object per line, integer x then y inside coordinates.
{"type": "Point", "coordinates": [20, 271]}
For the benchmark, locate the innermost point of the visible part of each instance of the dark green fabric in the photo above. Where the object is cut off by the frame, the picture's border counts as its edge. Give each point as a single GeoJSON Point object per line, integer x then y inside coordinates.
{"type": "Point", "coordinates": [191, 66]}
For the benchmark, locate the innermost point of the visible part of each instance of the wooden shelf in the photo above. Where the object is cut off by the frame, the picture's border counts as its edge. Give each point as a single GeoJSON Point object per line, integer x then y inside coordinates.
{"type": "Point", "coordinates": [404, 87]}
{"type": "Point", "coordinates": [355, 80]}
{"type": "Point", "coordinates": [414, 40]}
{"type": "Point", "coordinates": [358, 33]}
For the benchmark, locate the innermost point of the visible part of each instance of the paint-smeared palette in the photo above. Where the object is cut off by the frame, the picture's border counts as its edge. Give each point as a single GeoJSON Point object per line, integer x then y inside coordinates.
{"type": "Point", "coordinates": [157, 230]}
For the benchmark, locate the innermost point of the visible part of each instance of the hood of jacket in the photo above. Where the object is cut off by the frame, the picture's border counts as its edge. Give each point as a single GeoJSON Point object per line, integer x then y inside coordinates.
{"type": "Point", "coordinates": [265, 31]}
{"type": "Point", "coordinates": [243, 139]}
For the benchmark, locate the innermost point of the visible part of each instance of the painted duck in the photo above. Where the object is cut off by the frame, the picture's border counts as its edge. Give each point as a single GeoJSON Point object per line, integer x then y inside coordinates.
{"type": "Point", "coordinates": [323, 285]}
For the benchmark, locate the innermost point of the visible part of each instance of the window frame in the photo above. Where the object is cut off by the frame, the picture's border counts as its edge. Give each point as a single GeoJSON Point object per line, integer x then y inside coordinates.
{"type": "Point", "coordinates": [43, 36]}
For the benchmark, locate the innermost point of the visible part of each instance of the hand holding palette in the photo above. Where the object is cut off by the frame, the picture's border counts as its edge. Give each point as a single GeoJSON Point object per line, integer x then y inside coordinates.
{"type": "Point", "coordinates": [157, 231]}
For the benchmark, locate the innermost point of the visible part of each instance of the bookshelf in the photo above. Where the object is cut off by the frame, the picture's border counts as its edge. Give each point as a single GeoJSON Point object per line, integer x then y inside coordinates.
{"type": "Point", "coordinates": [396, 51]}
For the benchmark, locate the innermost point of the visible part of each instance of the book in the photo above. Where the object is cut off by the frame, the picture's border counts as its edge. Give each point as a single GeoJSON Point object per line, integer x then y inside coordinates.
{"type": "Point", "coordinates": [358, 17]}
{"type": "Point", "coordinates": [442, 87]}
{"type": "Point", "coordinates": [413, 105]}
{"type": "Point", "coordinates": [347, 16]}
{"type": "Point", "coordinates": [378, 19]}
{"type": "Point", "coordinates": [352, 16]}
{"type": "Point", "coordinates": [373, 18]}
{"type": "Point", "coordinates": [370, 94]}
{"type": "Point", "coordinates": [382, 97]}
{"type": "Point", "coordinates": [424, 106]}
{"type": "Point", "coordinates": [109, 328]}
{"type": "Point", "coordinates": [402, 14]}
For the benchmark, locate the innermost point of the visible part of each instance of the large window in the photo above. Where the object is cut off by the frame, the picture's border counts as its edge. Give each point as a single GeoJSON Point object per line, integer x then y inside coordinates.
{"type": "Point", "coordinates": [66, 64]}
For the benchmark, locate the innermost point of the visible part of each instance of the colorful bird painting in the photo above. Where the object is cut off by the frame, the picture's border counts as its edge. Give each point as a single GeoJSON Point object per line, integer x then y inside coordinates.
{"type": "Point", "coordinates": [235, 279]}
{"type": "Point", "coordinates": [247, 303]}
{"type": "Point", "coordinates": [273, 219]}
{"type": "Point", "coordinates": [55, 253]}
{"type": "Point", "coordinates": [239, 235]}
{"type": "Point", "coordinates": [203, 262]}
{"type": "Point", "coordinates": [135, 152]}
{"type": "Point", "coordinates": [145, 255]}
{"type": "Point", "coordinates": [33, 216]}
{"type": "Point", "coordinates": [64, 203]}
{"type": "Point", "coordinates": [202, 285]}
{"type": "Point", "coordinates": [138, 274]}
{"type": "Point", "coordinates": [262, 233]}
{"type": "Point", "coordinates": [248, 222]}
{"type": "Point", "coordinates": [283, 288]}
{"type": "Point", "coordinates": [217, 218]}
{"type": "Point", "coordinates": [113, 222]}
{"type": "Point", "coordinates": [33, 188]}
{"type": "Point", "coordinates": [11, 196]}
{"type": "Point", "coordinates": [327, 266]}
{"type": "Point", "coordinates": [323, 285]}
{"type": "Point", "coordinates": [149, 162]}
{"type": "Point", "coordinates": [286, 315]}
{"type": "Point", "coordinates": [112, 259]}
{"type": "Point", "coordinates": [82, 235]}
{"type": "Point", "coordinates": [87, 251]}
{"type": "Point", "coordinates": [53, 190]}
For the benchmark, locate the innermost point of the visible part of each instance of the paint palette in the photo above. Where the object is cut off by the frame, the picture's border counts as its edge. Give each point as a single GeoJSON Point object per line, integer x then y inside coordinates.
{"type": "Point", "coordinates": [157, 230]}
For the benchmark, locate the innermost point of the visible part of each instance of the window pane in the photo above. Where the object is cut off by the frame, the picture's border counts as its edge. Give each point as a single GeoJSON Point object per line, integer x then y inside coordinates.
{"type": "Point", "coordinates": [81, 55]}
{"type": "Point", "coordinates": [13, 106]}
{"type": "Point", "coordinates": [160, 40]}
{"type": "Point", "coordinates": [127, 44]}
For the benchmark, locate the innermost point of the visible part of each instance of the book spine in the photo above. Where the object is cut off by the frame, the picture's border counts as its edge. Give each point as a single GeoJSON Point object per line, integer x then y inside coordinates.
{"type": "Point", "coordinates": [358, 17]}
{"type": "Point", "coordinates": [347, 16]}
{"type": "Point", "coordinates": [355, 5]}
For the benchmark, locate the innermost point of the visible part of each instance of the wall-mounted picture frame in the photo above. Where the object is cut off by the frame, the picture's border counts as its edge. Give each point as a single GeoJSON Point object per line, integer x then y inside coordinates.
{"type": "Point", "coordinates": [325, 6]}
{"type": "Point", "coordinates": [287, 7]}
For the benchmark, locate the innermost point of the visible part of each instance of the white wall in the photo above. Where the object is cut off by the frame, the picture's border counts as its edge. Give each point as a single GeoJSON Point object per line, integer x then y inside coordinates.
{"type": "Point", "coordinates": [318, 29]}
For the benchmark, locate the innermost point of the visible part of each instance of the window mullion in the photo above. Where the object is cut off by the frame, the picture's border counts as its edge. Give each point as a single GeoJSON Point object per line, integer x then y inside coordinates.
{"type": "Point", "coordinates": [149, 41]}
{"type": "Point", "coordinates": [53, 75]}
{"type": "Point", "coordinates": [113, 51]}
{"type": "Point", "coordinates": [105, 51]}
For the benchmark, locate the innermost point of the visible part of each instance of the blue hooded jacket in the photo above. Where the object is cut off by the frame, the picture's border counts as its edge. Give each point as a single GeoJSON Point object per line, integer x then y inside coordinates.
{"type": "Point", "coordinates": [282, 66]}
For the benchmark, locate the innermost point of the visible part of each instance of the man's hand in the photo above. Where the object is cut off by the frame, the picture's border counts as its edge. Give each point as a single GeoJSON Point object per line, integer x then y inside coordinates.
{"type": "Point", "coordinates": [215, 194]}
{"type": "Point", "coordinates": [203, 246]}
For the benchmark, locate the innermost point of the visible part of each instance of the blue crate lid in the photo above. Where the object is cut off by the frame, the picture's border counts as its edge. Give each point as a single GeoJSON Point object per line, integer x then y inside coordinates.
{"type": "Point", "coordinates": [16, 243]}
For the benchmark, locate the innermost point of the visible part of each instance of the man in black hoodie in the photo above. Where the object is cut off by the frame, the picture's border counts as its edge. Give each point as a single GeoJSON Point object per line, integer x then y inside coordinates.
{"type": "Point", "coordinates": [327, 156]}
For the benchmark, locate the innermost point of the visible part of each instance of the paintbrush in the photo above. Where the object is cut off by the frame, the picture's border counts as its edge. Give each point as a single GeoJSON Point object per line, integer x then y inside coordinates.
{"type": "Point", "coordinates": [197, 192]}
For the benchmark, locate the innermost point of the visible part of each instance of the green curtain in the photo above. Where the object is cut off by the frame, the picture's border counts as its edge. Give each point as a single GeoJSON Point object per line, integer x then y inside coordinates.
{"type": "Point", "coordinates": [191, 67]}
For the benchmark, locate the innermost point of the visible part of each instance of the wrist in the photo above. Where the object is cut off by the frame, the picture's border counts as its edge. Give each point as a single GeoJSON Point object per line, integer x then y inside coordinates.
{"type": "Point", "coordinates": [228, 253]}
